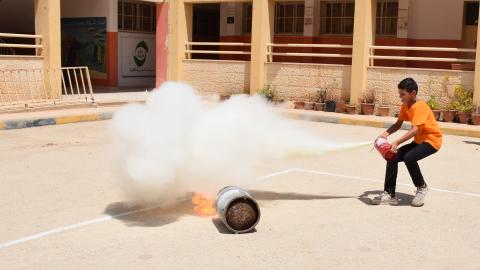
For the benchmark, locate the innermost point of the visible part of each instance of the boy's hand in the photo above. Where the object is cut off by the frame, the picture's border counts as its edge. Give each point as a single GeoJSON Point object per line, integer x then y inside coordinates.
{"type": "Point", "coordinates": [394, 146]}
{"type": "Point", "coordinates": [383, 135]}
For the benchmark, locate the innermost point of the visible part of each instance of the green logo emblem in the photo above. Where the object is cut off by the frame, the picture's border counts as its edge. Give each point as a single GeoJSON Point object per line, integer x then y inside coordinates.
{"type": "Point", "coordinates": [140, 53]}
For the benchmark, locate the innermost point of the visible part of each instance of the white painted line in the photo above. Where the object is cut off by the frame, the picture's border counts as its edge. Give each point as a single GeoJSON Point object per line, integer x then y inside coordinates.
{"type": "Point", "coordinates": [102, 219]}
{"type": "Point", "coordinates": [381, 181]}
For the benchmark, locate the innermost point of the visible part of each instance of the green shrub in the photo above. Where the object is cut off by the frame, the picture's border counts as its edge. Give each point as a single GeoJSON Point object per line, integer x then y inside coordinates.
{"type": "Point", "coordinates": [433, 103]}
{"type": "Point", "coordinates": [267, 92]}
{"type": "Point", "coordinates": [462, 100]}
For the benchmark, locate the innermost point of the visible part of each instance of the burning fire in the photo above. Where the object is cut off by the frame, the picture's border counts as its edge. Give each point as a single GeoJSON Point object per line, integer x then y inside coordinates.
{"type": "Point", "coordinates": [202, 205]}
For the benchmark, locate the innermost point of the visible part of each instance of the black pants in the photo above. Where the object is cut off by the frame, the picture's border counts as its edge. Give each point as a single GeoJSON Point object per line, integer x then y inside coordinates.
{"type": "Point", "coordinates": [410, 154]}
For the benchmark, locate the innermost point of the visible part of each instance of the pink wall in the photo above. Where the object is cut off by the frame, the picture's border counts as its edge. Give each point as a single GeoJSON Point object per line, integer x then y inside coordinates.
{"type": "Point", "coordinates": [162, 51]}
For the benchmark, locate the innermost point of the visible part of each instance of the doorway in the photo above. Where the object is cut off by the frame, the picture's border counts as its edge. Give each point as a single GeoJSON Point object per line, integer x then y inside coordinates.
{"type": "Point", "coordinates": [206, 28]}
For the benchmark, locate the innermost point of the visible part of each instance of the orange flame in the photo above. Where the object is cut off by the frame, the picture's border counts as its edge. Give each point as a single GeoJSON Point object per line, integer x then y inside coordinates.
{"type": "Point", "coordinates": [202, 205]}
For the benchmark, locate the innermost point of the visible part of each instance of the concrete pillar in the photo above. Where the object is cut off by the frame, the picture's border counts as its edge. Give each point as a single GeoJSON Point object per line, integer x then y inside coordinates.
{"type": "Point", "coordinates": [179, 32]}
{"type": "Point", "coordinates": [161, 43]}
{"type": "Point", "coordinates": [47, 24]}
{"type": "Point", "coordinates": [262, 34]}
{"type": "Point", "coordinates": [476, 82]}
{"type": "Point", "coordinates": [363, 38]}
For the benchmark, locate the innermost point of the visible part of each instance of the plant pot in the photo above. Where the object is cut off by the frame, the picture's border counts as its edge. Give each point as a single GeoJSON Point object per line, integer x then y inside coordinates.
{"type": "Point", "coordinates": [463, 117]}
{"type": "Point", "coordinates": [319, 106]}
{"type": "Point", "coordinates": [367, 108]}
{"type": "Point", "coordinates": [437, 114]}
{"type": "Point", "coordinates": [476, 119]}
{"type": "Point", "coordinates": [341, 107]}
{"type": "Point", "coordinates": [330, 106]}
{"type": "Point", "coordinates": [299, 105]}
{"type": "Point", "coordinates": [383, 111]}
{"type": "Point", "coordinates": [351, 109]}
{"type": "Point", "coordinates": [224, 97]}
{"type": "Point", "coordinates": [449, 115]}
{"type": "Point", "coordinates": [309, 105]}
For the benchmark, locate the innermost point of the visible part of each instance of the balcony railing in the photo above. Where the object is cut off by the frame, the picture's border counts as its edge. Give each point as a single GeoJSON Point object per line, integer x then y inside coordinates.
{"type": "Point", "coordinates": [271, 52]}
{"type": "Point", "coordinates": [9, 49]}
{"type": "Point", "coordinates": [375, 49]}
{"type": "Point", "coordinates": [189, 48]}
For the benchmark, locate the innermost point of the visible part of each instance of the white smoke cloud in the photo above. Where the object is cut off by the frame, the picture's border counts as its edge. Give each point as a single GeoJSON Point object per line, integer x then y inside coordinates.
{"type": "Point", "coordinates": [177, 142]}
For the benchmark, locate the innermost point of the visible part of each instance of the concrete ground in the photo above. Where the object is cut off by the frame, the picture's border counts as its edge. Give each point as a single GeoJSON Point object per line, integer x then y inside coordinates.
{"type": "Point", "coordinates": [61, 209]}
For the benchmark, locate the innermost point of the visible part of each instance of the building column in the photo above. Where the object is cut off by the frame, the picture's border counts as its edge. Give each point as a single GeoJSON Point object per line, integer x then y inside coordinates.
{"type": "Point", "coordinates": [161, 43]}
{"type": "Point", "coordinates": [179, 32]}
{"type": "Point", "coordinates": [262, 33]}
{"type": "Point", "coordinates": [363, 38]}
{"type": "Point", "coordinates": [47, 24]}
{"type": "Point", "coordinates": [476, 80]}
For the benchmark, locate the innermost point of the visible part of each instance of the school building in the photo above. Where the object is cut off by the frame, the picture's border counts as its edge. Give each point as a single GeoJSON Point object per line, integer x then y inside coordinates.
{"type": "Point", "coordinates": [346, 47]}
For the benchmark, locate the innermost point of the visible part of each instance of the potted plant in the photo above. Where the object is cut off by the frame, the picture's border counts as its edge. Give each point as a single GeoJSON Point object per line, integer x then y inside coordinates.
{"type": "Point", "coordinates": [330, 105]}
{"type": "Point", "coordinates": [309, 104]}
{"type": "Point", "coordinates": [320, 102]}
{"type": "Point", "coordinates": [476, 117]}
{"type": "Point", "coordinates": [449, 113]}
{"type": "Point", "coordinates": [267, 93]}
{"type": "Point", "coordinates": [367, 103]}
{"type": "Point", "coordinates": [225, 95]}
{"type": "Point", "coordinates": [299, 105]}
{"type": "Point", "coordinates": [384, 110]}
{"type": "Point", "coordinates": [351, 108]}
{"type": "Point", "coordinates": [435, 107]}
{"type": "Point", "coordinates": [463, 103]}
{"type": "Point", "coordinates": [341, 106]}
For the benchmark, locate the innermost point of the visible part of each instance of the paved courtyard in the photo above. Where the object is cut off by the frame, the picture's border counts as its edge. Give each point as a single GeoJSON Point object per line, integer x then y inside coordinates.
{"type": "Point", "coordinates": [62, 209]}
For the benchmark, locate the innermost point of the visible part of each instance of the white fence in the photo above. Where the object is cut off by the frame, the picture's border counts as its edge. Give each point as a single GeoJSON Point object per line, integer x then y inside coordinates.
{"type": "Point", "coordinates": [7, 49]}
{"type": "Point", "coordinates": [271, 53]}
{"type": "Point", "coordinates": [189, 48]}
{"type": "Point", "coordinates": [374, 49]}
{"type": "Point", "coordinates": [24, 88]}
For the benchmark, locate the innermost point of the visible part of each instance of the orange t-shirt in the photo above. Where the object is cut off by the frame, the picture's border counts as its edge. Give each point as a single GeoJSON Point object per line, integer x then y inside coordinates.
{"type": "Point", "coordinates": [419, 114]}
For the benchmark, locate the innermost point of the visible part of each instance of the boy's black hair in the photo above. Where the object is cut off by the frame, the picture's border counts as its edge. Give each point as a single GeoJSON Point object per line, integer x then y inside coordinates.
{"type": "Point", "coordinates": [409, 85]}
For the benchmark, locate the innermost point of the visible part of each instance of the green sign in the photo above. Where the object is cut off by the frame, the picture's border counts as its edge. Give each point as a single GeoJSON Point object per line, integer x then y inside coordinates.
{"type": "Point", "coordinates": [140, 55]}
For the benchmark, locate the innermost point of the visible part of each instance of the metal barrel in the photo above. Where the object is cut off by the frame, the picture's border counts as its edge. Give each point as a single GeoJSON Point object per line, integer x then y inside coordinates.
{"type": "Point", "coordinates": [237, 209]}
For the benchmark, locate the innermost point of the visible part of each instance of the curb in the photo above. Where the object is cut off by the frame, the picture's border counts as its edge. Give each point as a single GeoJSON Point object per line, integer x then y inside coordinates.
{"type": "Point", "coordinates": [466, 131]}
{"type": "Point", "coordinates": [49, 121]}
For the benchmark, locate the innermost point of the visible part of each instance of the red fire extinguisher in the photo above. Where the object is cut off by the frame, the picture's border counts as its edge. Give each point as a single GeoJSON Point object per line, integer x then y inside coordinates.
{"type": "Point", "coordinates": [383, 147]}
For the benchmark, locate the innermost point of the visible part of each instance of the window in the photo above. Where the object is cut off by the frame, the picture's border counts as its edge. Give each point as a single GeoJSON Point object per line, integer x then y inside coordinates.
{"type": "Point", "coordinates": [288, 17]}
{"type": "Point", "coordinates": [336, 17]}
{"type": "Point", "coordinates": [136, 17]}
{"type": "Point", "coordinates": [387, 17]}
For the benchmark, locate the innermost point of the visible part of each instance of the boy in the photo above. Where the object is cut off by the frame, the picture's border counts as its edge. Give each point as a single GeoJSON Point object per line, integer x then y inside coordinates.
{"type": "Point", "coordinates": [427, 141]}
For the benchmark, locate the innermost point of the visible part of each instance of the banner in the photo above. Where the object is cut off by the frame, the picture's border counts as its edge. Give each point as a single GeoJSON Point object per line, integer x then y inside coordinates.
{"type": "Point", "coordinates": [83, 44]}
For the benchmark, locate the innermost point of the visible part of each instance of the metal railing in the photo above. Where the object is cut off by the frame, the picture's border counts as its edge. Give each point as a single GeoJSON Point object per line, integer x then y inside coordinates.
{"type": "Point", "coordinates": [373, 56]}
{"type": "Point", "coordinates": [271, 53]}
{"type": "Point", "coordinates": [189, 48]}
{"type": "Point", "coordinates": [23, 88]}
{"type": "Point", "coordinates": [37, 44]}
{"type": "Point", "coordinates": [5, 50]}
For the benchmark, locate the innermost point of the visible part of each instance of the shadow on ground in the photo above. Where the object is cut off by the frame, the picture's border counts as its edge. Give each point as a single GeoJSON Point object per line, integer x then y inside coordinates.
{"type": "Point", "coordinates": [403, 198]}
{"type": "Point", "coordinates": [154, 217]}
{"type": "Point", "coordinates": [159, 216]}
{"type": "Point", "coordinates": [472, 142]}
{"type": "Point", "coordinates": [263, 196]}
